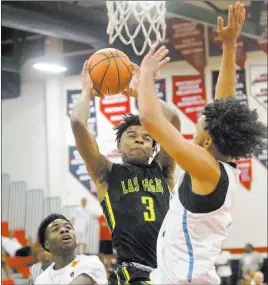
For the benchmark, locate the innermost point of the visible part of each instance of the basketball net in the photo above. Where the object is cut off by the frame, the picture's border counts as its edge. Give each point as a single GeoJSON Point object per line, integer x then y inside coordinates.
{"type": "Point", "coordinates": [148, 17]}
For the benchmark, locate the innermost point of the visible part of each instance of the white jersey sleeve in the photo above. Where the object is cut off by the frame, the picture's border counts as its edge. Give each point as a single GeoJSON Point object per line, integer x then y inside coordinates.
{"type": "Point", "coordinates": [93, 267]}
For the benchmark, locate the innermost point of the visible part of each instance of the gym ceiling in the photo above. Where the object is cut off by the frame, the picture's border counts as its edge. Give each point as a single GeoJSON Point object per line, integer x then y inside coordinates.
{"type": "Point", "coordinates": [82, 26]}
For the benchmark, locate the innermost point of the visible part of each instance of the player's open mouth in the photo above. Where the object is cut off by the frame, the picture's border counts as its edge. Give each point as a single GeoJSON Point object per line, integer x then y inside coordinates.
{"type": "Point", "coordinates": [138, 149]}
{"type": "Point", "coordinates": [66, 239]}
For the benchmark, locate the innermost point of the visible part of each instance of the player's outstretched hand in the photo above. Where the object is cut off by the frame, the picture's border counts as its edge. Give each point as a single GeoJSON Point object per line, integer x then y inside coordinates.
{"type": "Point", "coordinates": [87, 83]}
{"type": "Point", "coordinates": [236, 19]}
{"type": "Point", "coordinates": [132, 90]}
{"type": "Point", "coordinates": [154, 60]}
{"type": "Point", "coordinates": [86, 80]}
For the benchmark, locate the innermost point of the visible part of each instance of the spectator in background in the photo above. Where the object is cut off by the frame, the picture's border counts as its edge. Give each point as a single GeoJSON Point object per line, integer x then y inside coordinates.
{"type": "Point", "coordinates": [13, 248]}
{"type": "Point", "coordinates": [223, 266]}
{"type": "Point", "coordinates": [250, 261]}
{"type": "Point", "coordinates": [44, 259]}
{"type": "Point", "coordinates": [258, 278]}
{"type": "Point", "coordinates": [80, 218]}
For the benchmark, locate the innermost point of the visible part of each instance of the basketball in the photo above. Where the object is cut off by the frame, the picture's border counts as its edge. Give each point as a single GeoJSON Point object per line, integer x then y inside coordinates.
{"type": "Point", "coordinates": [110, 71]}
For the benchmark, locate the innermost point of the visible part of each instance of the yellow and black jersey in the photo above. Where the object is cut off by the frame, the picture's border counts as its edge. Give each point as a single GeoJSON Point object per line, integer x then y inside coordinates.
{"type": "Point", "coordinates": [135, 206]}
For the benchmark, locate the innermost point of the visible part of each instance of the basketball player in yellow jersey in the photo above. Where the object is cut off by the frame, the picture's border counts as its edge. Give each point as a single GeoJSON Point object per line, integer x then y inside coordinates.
{"type": "Point", "coordinates": [191, 236]}
{"type": "Point", "coordinates": [134, 195]}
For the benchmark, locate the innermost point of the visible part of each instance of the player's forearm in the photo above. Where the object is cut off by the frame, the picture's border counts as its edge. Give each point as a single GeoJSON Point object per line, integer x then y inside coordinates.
{"type": "Point", "coordinates": [168, 112]}
{"type": "Point", "coordinates": [226, 84]}
{"type": "Point", "coordinates": [81, 109]}
{"type": "Point", "coordinates": [149, 106]}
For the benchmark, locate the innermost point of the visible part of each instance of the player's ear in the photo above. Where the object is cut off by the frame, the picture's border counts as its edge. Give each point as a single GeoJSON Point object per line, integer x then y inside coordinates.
{"type": "Point", "coordinates": [119, 147]}
{"type": "Point", "coordinates": [208, 142]}
{"type": "Point", "coordinates": [46, 245]}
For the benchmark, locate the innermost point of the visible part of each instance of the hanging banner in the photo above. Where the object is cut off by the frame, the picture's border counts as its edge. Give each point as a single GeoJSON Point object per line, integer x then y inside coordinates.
{"type": "Point", "coordinates": [77, 167]}
{"type": "Point", "coordinates": [173, 53]}
{"type": "Point", "coordinates": [215, 47]}
{"type": "Point", "coordinates": [263, 42]}
{"type": "Point", "coordinates": [189, 95]}
{"type": "Point", "coordinates": [160, 86]}
{"type": "Point", "coordinates": [114, 107]}
{"type": "Point", "coordinates": [187, 37]}
{"type": "Point", "coordinates": [109, 149]}
{"type": "Point", "coordinates": [258, 83]}
{"type": "Point", "coordinates": [72, 97]}
{"type": "Point", "coordinates": [241, 93]}
{"type": "Point", "coordinates": [258, 90]}
{"type": "Point", "coordinates": [245, 177]}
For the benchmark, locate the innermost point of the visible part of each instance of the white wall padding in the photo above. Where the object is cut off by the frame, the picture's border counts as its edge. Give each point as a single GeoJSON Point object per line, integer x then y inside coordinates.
{"type": "Point", "coordinates": [52, 205]}
{"type": "Point", "coordinates": [67, 211]}
{"type": "Point", "coordinates": [5, 196]}
{"type": "Point", "coordinates": [93, 236]}
{"type": "Point", "coordinates": [34, 211]}
{"type": "Point", "coordinates": [17, 205]}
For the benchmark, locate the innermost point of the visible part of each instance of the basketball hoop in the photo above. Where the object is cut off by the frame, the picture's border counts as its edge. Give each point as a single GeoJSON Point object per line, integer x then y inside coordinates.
{"type": "Point", "coordinates": [128, 19]}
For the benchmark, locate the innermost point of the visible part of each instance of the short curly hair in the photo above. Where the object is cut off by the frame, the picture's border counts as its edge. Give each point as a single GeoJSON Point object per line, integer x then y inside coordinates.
{"type": "Point", "coordinates": [128, 121]}
{"type": "Point", "coordinates": [43, 227]}
{"type": "Point", "coordinates": [234, 128]}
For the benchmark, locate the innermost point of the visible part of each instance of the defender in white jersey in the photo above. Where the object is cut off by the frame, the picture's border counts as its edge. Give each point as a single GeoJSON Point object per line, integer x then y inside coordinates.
{"type": "Point", "coordinates": [191, 235]}
{"type": "Point", "coordinates": [56, 235]}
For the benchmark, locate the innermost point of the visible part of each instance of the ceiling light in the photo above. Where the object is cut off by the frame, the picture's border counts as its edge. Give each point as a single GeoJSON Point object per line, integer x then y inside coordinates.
{"type": "Point", "coordinates": [49, 67]}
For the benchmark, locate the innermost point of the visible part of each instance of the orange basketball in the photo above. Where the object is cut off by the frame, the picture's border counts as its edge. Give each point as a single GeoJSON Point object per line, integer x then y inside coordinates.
{"type": "Point", "coordinates": [110, 70]}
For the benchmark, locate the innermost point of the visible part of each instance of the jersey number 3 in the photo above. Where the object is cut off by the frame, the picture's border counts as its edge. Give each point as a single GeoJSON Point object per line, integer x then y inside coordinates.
{"type": "Point", "coordinates": [149, 214]}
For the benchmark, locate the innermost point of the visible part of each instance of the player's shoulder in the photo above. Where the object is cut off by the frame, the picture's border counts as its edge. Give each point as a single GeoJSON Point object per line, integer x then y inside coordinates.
{"type": "Point", "coordinates": [89, 259]}
{"type": "Point", "coordinates": [91, 266]}
{"type": "Point", "coordinates": [44, 277]}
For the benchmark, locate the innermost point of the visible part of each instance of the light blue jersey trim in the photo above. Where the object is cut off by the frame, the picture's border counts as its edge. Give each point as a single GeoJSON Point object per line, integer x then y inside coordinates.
{"type": "Point", "coordinates": [189, 246]}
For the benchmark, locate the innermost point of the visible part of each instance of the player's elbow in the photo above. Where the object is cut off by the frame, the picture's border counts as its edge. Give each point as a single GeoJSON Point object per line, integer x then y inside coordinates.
{"type": "Point", "coordinates": [77, 125]}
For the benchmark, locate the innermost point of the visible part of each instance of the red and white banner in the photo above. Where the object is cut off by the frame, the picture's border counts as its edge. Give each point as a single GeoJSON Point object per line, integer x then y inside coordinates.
{"type": "Point", "coordinates": [215, 40]}
{"type": "Point", "coordinates": [114, 107]}
{"type": "Point", "coordinates": [189, 95]}
{"type": "Point", "coordinates": [258, 77]}
{"type": "Point", "coordinates": [187, 37]}
{"type": "Point", "coordinates": [245, 177]}
{"type": "Point", "coordinates": [262, 22]}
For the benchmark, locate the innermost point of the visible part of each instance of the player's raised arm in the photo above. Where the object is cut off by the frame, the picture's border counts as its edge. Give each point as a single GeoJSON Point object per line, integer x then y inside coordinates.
{"type": "Point", "coordinates": [192, 158]}
{"type": "Point", "coordinates": [97, 164]}
{"type": "Point", "coordinates": [226, 84]}
{"type": "Point", "coordinates": [165, 161]}
{"type": "Point", "coordinates": [163, 158]}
